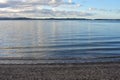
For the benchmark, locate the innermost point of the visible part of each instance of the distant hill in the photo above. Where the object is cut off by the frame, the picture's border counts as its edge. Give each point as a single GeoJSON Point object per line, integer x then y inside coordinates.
{"type": "Point", "coordinates": [24, 18]}
{"type": "Point", "coordinates": [19, 18]}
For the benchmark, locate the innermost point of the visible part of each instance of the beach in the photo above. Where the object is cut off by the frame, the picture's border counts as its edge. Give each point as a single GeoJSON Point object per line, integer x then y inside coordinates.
{"type": "Point", "coordinates": [77, 71]}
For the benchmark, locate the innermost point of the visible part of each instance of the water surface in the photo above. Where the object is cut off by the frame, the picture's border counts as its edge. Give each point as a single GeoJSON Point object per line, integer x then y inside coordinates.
{"type": "Point", "coordinates": [59, 41]}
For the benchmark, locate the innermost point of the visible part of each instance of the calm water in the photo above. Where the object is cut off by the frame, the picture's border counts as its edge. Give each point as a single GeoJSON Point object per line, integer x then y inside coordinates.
{"type": "Point", "coordinates": [59, 41]}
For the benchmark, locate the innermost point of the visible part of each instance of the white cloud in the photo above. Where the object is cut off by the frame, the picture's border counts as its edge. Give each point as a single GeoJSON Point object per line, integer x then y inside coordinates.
{"type": "Point", "coordinates": [78, 5]}
{"type": "Point", "coordinates": [53, 1]}
{"type": "Point", "coordinates": [70, 1]}
{"type": "Point", "coordinates": [53, 9]}
{"type": "Point", "coordinates": [92, 9]}
{"type": "Point", "coordinates": [3, 1]}
{"type": "Point", "coordinates": [98, 9]}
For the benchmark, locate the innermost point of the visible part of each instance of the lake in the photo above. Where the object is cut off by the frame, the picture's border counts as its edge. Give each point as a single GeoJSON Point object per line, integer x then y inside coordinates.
{"type": "Point", "coordinates": [59, 41]}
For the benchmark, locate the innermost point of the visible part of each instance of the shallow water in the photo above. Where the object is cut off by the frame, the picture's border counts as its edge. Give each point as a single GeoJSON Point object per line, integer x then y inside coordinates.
{"type": "Point", "coordinates": [59, 41]}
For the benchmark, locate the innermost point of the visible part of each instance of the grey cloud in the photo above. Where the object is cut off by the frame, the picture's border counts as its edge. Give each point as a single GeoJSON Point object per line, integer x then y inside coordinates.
{"type": "Point", "coordinates": [51, 13]}
{"type": "Point", "coordinates": [4, 5]}
{"type": "Point", "coordinates": [29, 8]}
{"type": "Point", "coordinates": [64, 13]}
{"type": "Point", "coordinates": [11, 4]}
{"type": "Point", "coordinates": [14, 3]}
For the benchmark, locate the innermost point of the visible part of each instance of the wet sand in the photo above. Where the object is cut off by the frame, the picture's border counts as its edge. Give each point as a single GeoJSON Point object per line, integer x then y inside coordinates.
{"type": "Point", "coordinates": [83, 71]}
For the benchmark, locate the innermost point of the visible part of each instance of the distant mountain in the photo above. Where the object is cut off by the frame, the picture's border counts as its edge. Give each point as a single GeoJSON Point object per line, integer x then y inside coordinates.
{"type": "Point", "coordinates": [24, 18]}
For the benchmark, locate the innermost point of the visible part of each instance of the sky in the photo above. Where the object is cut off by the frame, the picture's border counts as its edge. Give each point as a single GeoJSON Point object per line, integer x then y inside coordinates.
{"type": "Point", "coordinates": [91, 9]}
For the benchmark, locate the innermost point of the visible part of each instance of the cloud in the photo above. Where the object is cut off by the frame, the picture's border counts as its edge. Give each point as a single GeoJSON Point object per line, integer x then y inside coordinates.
{"type": "Point", "coordinates": [43, 13]}
{"type": "Point", "coordinates": [40, 8]}
{"type": "Point", "coordinates": [70, 1]}
{"type": "Point", "coordinates": [92, 9]}
{"type": "Point", "coordinates": [54, 13]}
{"type": "Point", "coordinates": [3, 1]}
{"type": "Point", "coordinates": [23, 3]}
{"type": "Point", "coordinates": [99, 9]}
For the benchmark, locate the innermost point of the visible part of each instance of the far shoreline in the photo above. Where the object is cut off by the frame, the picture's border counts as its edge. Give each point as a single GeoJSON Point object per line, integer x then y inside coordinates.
{"type": "Point", "coordinates": [24, 18]}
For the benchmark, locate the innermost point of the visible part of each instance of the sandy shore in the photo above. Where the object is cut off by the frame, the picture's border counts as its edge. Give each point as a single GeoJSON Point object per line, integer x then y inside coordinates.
{"type": "Point", "coordinates": [86, 71]}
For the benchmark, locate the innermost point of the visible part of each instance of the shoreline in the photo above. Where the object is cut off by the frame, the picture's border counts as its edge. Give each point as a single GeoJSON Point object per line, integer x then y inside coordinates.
{"type": "Point", "coordinates": [82, 63]}
{"type": "Point", "coordinates": [69, 71]}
